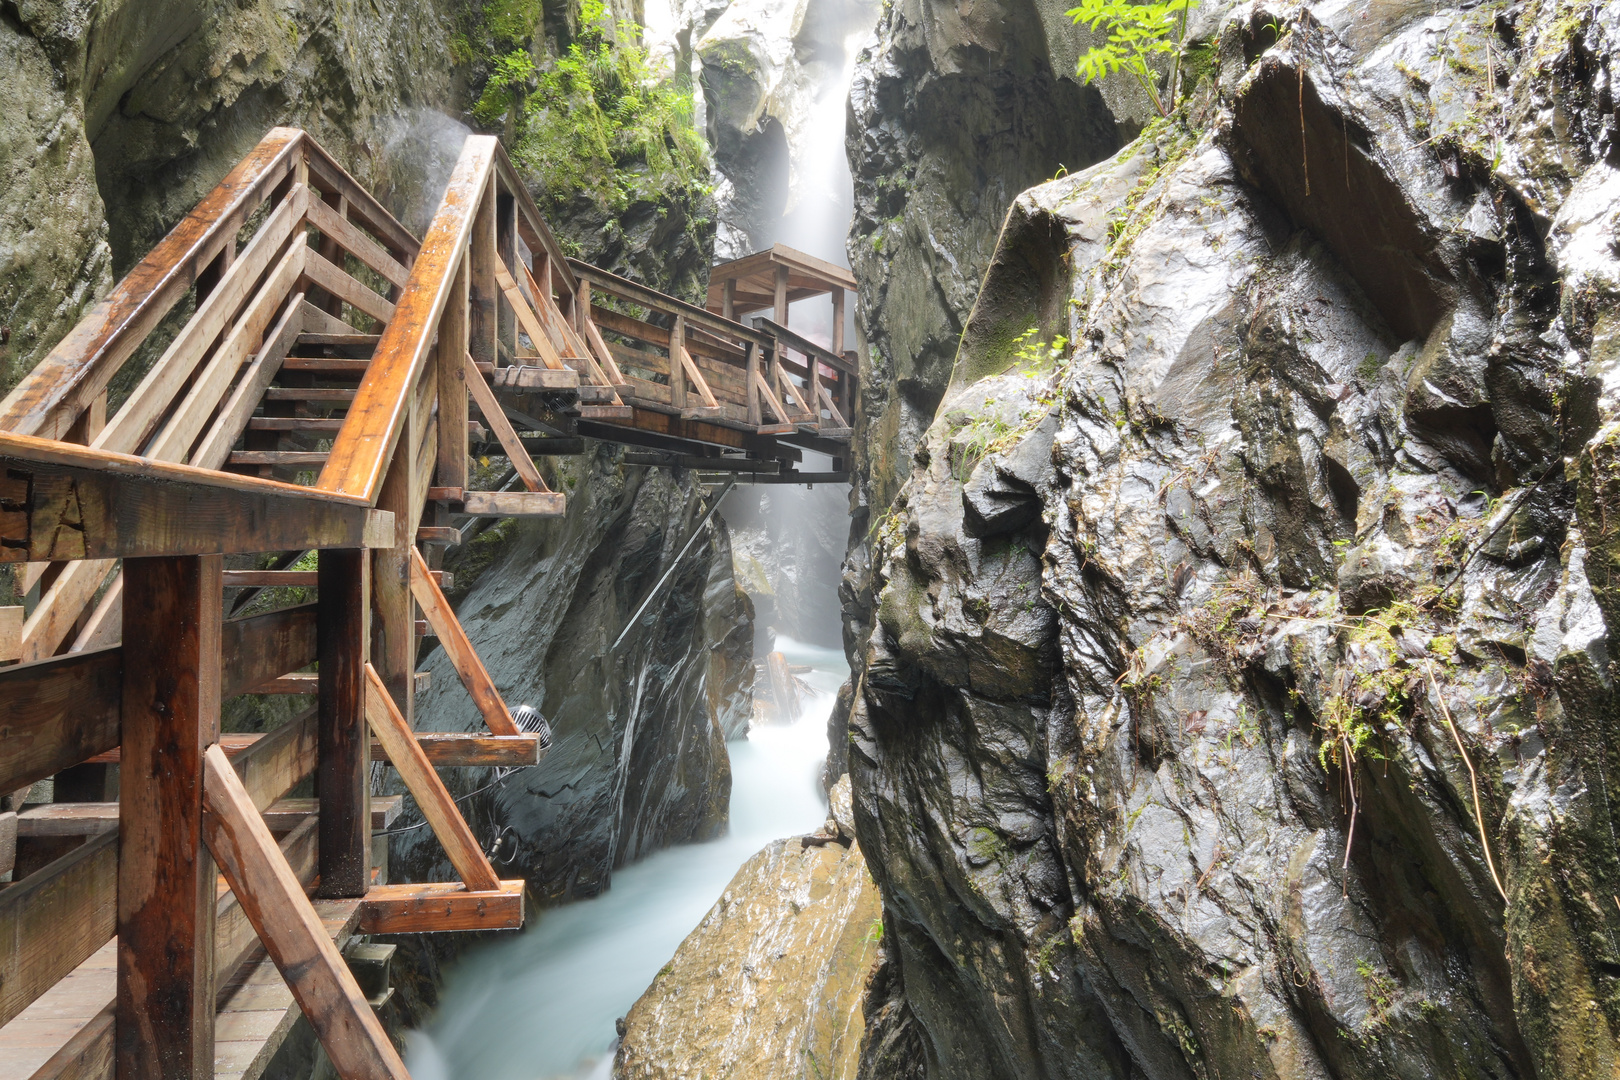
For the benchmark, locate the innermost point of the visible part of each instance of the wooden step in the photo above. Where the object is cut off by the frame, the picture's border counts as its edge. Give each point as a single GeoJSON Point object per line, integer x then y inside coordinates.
{"type": "Point", "coordinates": [355, 339]}
{"type": "Point", "coordinates": [305, 579]}
{"type": "Point", "coordinates": [311, 393]}
{"type": "Point", "coordinates": [443, 749]}
{"type": "Point", "coordinates": [325, 424]}
{"type": "Point", "coordinates": [534, 378]}
{"type": "Point", "coordinates": [322, 365]}
{"type": "Point", "coordinates": [606, 412]}
{"type": "Point", "coordinates": [278, 457]}
{"type": "Point", "coordinates": [596, 395]}
{"type": "Point", "coordinates": [431, 908]}
{"type": "Point", "coordinates": [89, 819]}
{"type": "Point", "coordinates": [307, 682]}
{"type": "Point", "coordinates": [514, 503]}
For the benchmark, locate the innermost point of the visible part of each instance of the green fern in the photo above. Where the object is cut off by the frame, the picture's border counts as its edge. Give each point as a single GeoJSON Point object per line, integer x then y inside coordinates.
{"type": "Point", "coordinates": [1137, 33]}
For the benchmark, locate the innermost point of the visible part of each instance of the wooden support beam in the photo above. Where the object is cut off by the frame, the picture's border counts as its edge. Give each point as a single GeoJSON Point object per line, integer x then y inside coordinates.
{"type": "Point", "coordinates": [438, 534]}
{"type": "Point", "coordinates": [527, 318]}
{"type": "Point", "coordinates": [58, 501]}
{"type": "Point", "coordinates": [677, 370]}
{"type": "Point", "coordinates": [344, 773]}
{"type": "Point", "coordinates": [838, 320]}
{"type": "Point", "coordinates": [780, 309]}
{"type": "Point", "coordinates": [406, 755]}
{"type": "Point", "coordinates": [426, 909]}
{"type": "Point", "coordinates": [55, 713]}
{"type": "Point", "coordinates": [392, 644]}
{"type": "Point", "coordinates": [769, 399]}
{"type": "Point", "coordinates": [171, 698]}
{"type": "Point", "coordinates": [755, 415]}
{"type": "Point", "coordinates": [484, 398]}
{"type": "Point", "coordinates": [832, 409]}
{"type": "Point", "coordinates": [286, 922]}
{"type": "Point", "coordinates": [454, 641]}
{"type": "Point", "coordinates": [454, 328]}
{"type": "Point", "coordinates": [455, 750]}
{"type": "Point", "coordinates": [728, 301]}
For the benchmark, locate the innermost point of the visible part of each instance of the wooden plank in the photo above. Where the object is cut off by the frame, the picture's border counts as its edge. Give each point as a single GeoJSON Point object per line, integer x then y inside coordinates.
{"type": "Point", "coordinates": [56, 713]}
{"type": "Point", "coordinates": [434, 908]}
{"type": "Point", "coordinates": [438, 534]}
{"type": "Point", "coordinates": [697, 378]}
{"type": "Point", "coordinates": [769, 398]}
{"type": "Point", "coordinates": [534, 378]}
{"type": "Point", "coordinates": [363, 206]}
{"type": "Point", "coordinates": [322, 394]}
{"type": "Point", "coordinates": [755, 415]}
{"type": "Point", "coordinates": [273, 244]}
{"type": "Point", "coordinates": [341, 285]}
{"type": "Point", "coordinates": [278, 457]}
{"type": "Point", "coordinates": [52, 920]}
{"type": "Point", "coordinates": [48, 400]}
{"type": "Point", "coordinates": [484, 398]}
{"type": "Point", "coordinates": [166, 900]}
{"type": "Point", "coordinates": [451, 450]}
{"type": "Point", "coordinates": [92, 505]}
{"type": "Point", "coordinates": [174, 440]}
{"type": "Point", "coordinates": [462, 655]}
{"type": "Point", "coordinates": [292, 933]}
{"type": "Point", "coordinates": [677, 371]}
{"type": "Point", "coordinates": [272, 765]}
{"type": "Point", "coordinates": [527, 318]}
{"type": "Point", "coordinates": [343, 618]}
{"type": "Point", "coordinates": [447, 750]}
{"type": "Point", "coordinates": [215, 447]}
{"type": "Point", "coordinates": [514, 504]}
{"type": "Point", "coordinates": [11, 632]}
{"type": "Point", "coordinates": [435, 803]}
{"type": "Point", "coordinates": [256, 648]}
{"type": "Point", "coordinates": [329, 366]}
{"type": "Point", "coordinates": [88, 1055]}
{"type": "Point", "coordinates": [363, 448]}
{"type": "Point", "coordinates": [95, 818]}
{"type": "Point", "coordinates": [356, 243]}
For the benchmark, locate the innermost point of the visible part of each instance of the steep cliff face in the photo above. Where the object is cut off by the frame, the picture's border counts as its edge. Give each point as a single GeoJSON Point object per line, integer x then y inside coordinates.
{"type": "Point", "coordinates": [124, 114]}
{"type": "Point", "coordinates": [1238, 700]}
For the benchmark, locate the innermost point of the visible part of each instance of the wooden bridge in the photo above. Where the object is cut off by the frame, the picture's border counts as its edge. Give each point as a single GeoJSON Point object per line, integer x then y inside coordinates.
{"type": "Point", "coordinates": [306, 382]}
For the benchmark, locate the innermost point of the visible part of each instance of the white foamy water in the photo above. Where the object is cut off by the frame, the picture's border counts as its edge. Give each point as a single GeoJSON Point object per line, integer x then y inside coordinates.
{"type": "Point", "coordinates": [541, 1005]}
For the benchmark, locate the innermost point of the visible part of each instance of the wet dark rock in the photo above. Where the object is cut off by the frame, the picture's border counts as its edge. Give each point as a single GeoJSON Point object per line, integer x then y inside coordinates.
{"type": "Point", "coordinates": [1214, 769]}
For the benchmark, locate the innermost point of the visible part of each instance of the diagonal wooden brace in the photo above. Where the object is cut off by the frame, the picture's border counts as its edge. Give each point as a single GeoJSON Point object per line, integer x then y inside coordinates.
{"type": "Point", "coordinates": [454, 641]}
{"type": "Point", "coordinates": [484, 397]}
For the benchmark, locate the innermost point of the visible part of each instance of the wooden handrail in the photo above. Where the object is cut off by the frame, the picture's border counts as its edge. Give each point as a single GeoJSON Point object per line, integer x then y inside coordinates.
{"type": "Point", "coordinates": [364, 446]}
{"type": "Point", "coordinates": [641, 294]}
{"type": "Point", "coordinates": [805, 345]}
{"type": "Point", "coordinates": [49, 399]}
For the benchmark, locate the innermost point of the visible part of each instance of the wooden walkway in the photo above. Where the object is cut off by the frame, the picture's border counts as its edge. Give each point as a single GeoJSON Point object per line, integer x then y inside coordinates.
{"type": "Point", "coordinates": [174, 909]}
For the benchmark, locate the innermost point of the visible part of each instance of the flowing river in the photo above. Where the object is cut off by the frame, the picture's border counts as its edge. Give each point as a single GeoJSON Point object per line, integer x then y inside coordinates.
{"type": "Point", "coordinates": [542, 1004]}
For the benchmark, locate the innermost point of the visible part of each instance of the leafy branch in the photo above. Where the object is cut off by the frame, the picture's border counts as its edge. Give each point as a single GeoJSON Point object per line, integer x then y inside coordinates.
{"type": "Point", "coordinates": [1137, 34]}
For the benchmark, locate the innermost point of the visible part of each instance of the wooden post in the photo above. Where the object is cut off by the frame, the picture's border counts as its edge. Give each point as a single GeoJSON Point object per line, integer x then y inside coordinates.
{"type": "Point", "coordinates": [481, 284]}
{"type": "Point", "coordinates": [728, 299]}
{"type": "Point", "coordinates": [343, 638]}
{"type": "Point", "coordinates": [506, 252]}
{"type": "Point", "coordinates": [452, 464]}
{"type": "Point", "coordinates": [677, 371]}
{"type": "Point", "coordinates": [580, 308]}
{"type": "Point", "coordinates": [393, 639]}
{"type": "Point", "coordinates": [753, 384]}
{"type": "Point", "coordinates": [780, 311]}
{"type": "Point", "coordinates": [838, 320]}
{"type": "Point", "coordinates": [332, 253]}
{"type": "Point", "coordinates": [170, 715]}
{"type": "Point", "coordinates": [542, 276]}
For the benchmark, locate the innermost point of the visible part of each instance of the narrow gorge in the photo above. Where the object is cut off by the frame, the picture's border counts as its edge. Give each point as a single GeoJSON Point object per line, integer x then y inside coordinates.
{"type": "Point", "coordinates": [1182, 656]}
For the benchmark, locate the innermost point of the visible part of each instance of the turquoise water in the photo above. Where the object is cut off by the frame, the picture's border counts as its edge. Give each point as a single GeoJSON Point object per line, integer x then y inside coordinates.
{"type": "Point", "coordinates": [542, 1005]}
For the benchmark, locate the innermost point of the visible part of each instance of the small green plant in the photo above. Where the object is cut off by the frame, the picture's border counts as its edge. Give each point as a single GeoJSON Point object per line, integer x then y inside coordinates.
{"type": "Point", "coordinates": [1137, 34]}
{"type": "Point", "coordinates": [1381, 990]}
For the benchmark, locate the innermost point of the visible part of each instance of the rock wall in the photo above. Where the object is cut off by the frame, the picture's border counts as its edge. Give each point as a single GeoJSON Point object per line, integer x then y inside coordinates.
{"type": "Point", "coordinates": [1238, 699]}
{"type": "Point", "coordinates": [124, 114]}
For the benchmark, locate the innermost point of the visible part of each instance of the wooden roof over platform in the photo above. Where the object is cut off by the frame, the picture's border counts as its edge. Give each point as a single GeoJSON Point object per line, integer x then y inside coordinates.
{"type": "Point", "coordinates": [756, 275]}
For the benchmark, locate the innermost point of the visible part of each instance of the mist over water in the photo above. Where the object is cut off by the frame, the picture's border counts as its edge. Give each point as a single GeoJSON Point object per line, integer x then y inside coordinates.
{"type": "Point", "coordinates": [541, 1004]}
